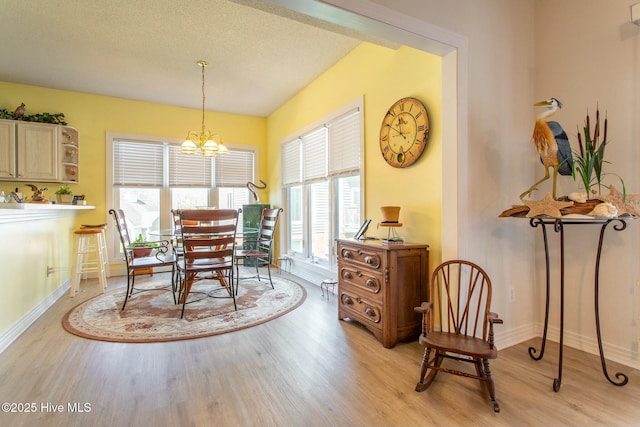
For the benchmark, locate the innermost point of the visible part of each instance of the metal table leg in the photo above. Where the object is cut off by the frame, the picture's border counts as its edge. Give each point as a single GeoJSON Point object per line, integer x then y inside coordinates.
{"type": "Point", "coordinates": [559, 228]}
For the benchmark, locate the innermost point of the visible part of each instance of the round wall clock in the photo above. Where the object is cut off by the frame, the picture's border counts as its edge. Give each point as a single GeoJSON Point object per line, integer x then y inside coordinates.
{"type": "Point", "coordinates": [404, 132]}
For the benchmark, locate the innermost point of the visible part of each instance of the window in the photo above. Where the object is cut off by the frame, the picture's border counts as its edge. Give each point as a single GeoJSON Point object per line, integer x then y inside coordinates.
{"type": "Point", "coordinates": [322, 186]}
{"type": "Point", "coordinates": [147, 177]}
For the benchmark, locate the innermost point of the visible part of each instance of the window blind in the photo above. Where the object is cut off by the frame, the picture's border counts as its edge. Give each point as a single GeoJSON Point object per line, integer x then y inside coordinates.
{"type": "Point", "coordinates": [137, 164]}
{"type": "Point", "coordinates": [314, 155]}
{"type": "Point", "coordinates": [188, 170]}
{"type": "Point", "coordinates": [344, 144]}
{"type": "Point", "coordinates": [234, 169]}
{"type": "Point", "coordinates": [291, 165]}
{"type": "Point", "coordinates": [332, 149]}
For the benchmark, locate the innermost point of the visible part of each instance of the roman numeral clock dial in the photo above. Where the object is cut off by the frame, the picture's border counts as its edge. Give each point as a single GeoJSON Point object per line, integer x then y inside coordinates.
{"type": "Point", "coordinates": [404, 132]}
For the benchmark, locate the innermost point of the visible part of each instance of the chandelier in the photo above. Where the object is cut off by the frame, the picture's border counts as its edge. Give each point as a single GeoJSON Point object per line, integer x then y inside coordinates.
{"type": "Point", "coordinates": [206, 143]}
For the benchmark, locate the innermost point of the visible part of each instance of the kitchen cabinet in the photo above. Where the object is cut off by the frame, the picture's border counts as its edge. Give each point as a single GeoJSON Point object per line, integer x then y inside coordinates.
{"type": "Point", "coordinates": [379, 286]}
{"type": "Point", "coordinates": [40, 152]}
{"type": "Point", "coordinates": [7, 149]}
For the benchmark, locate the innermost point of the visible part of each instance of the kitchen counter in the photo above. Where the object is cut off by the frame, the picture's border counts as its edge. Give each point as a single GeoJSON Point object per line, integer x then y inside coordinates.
{"type": "Point", "coordinates": [15, 212]}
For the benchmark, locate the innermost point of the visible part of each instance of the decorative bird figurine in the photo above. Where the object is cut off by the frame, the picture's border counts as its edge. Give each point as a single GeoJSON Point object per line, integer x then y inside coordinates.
{"type": "Point", "coordinates": [552, 144]}
{"type": "Point", "coordinates": [19, 113]}
{"type": "Point", "coordinates": [252, 187]}
{"type": "Point", "coordinates": [38, 193]}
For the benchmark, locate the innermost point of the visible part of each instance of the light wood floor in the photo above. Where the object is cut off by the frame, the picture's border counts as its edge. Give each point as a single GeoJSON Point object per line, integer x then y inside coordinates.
{"type": "Point", "coordinates": [305, 368]}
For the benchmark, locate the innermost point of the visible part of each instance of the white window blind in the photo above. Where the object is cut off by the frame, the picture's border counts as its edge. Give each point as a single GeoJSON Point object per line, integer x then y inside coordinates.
{"type": "Point", "coordinates": [314, 155]}
{"type": "Point", "coordinates": [291, 165]}
{"type": "Point", "coordinates": [333, 149]}
{"type": "Point", "coordinates": [234, 169]}
{"type": "Point", "coordinates": [188, 170]}
{"type": "Point", "coordinates": [344, 144]}
{"type": "Point", "coordinates": [137, 164]}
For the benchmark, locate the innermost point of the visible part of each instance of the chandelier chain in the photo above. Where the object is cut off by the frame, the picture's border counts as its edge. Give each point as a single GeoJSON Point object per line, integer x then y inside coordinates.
{"type": "Point", "coordinates": [202, 65]}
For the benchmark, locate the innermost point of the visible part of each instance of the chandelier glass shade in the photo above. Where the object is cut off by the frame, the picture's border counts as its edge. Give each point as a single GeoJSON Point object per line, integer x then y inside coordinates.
{"type": "Point", "coordinates": [204, 142]}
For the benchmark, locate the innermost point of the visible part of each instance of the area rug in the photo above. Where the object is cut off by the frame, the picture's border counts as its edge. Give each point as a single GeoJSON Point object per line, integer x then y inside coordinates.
{"type": "Point", "coordinates": [152, 316]}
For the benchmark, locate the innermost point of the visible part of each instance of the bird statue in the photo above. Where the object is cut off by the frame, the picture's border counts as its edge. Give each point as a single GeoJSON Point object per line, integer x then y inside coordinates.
{"type": "Point", "coordinates": [19, 113]}
{"type": "Point", "coordinates": [252, 187]}
{"type": "Point", "coordinates": [38, 193]}
{"type": "Point", "coordinates": [552, 144]}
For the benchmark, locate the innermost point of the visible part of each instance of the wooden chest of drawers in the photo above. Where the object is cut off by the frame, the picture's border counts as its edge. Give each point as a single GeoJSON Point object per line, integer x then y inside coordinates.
{"type": "Point", "coordinates": [379, 285]}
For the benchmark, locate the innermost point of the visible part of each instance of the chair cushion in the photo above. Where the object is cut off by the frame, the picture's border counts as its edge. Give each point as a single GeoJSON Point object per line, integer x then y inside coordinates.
{"type": "Point", "coordinates": [460, 344]}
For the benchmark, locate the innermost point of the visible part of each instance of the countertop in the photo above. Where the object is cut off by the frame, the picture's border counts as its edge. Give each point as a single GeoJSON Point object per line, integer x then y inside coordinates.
{"type": "Point", "coordinates": [18, 212]}
{"type": "Point", "coordinates": [44, 206]}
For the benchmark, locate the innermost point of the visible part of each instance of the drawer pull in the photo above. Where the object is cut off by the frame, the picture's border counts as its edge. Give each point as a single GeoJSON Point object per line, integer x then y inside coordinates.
{"type": "Point", "coordinates": [346, 274]}
{"type": "Point", "coordinates": [347, 254]}
{"type": "Point", "coordinates": [372, 313]}
{"type": "Point", "coordinates": [373, 261]}
{"type": "Point", "coordinates": [347, 300]}
{"type": "Point", "coordinates": [372, 283]}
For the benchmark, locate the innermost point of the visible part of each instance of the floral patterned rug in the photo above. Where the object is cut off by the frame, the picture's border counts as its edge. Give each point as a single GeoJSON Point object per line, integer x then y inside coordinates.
{"type": "Point", "coordinates": [152, 316]}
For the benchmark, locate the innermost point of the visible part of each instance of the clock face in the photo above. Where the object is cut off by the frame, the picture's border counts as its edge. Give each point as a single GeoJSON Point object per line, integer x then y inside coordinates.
{"type": "Point", "coordinates": [404, 132]}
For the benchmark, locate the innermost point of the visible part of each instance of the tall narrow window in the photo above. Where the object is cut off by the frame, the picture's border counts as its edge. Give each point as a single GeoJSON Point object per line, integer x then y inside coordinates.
{"type": "Point", "coordinates": [322, 186]}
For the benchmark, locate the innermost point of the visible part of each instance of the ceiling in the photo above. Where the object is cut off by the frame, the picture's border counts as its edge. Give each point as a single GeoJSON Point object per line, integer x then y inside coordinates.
{"type": "Point", "coordinates": [259, 55]}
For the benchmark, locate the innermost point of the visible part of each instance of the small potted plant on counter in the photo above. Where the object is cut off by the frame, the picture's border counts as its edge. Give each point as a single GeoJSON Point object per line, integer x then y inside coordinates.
{"type": "Point", "coordinates": [64, 194]}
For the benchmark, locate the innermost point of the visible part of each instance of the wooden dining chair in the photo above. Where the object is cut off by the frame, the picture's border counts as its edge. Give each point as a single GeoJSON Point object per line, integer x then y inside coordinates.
{"type": "Point", "coordinates": [260, 249]}
{"type": "Point", "coordinates": [208, 240]}
{"type": "Point", "coordinates": [163, 257]}
{"type": "Point", "coordinates": [457, 324]}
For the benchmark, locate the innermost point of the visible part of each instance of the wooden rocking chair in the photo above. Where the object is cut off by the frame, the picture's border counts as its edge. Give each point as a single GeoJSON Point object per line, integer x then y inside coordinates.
{"type": "Point", "coordinates": [457, 324]}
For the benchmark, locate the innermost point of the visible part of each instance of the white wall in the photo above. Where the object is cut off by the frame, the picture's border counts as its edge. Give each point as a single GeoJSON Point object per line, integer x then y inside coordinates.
{"type": "Point", "coordinates": [587, 55]}
{"type": "Point", "coordinates": [520, 52]}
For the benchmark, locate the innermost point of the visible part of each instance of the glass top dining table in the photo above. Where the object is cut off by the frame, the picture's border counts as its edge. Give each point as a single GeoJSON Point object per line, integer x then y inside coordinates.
{"type": "Point", "coordinates": [164, 232]}
{"type": "Point", "coordinates": [171, 233]}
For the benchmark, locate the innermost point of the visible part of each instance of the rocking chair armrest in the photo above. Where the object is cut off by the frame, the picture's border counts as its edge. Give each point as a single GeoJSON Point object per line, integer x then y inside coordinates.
{"type": "Point", "coordinates": [493, 318]}
{"type": "Point", "coordinates": [424, 308]}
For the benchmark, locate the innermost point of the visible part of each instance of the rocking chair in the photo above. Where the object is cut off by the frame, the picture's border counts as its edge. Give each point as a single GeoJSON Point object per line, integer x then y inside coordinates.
{"type": "Point", "coordinates": [457, 324]}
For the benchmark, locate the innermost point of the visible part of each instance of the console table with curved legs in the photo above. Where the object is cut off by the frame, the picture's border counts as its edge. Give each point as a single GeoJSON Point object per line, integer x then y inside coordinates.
{"type": "Point", "coordinates": [558, 224]}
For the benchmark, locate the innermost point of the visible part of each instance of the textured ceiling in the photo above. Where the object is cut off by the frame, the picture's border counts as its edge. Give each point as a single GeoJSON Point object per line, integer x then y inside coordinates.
{"type": "Point", "coordinates": [147, 50]}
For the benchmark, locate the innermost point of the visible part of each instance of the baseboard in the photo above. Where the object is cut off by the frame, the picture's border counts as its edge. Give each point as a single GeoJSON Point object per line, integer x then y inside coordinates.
{"type": "Point", "coordinates": [612, 352]}
{"type": "Point", "coordinates": [508, 338]}
{"type": "Point", "coordinates": [11, 334]}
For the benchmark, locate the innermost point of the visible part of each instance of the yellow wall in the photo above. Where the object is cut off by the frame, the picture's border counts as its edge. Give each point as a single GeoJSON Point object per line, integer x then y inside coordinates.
{"type": "Point", "coordinates": [382, 76]}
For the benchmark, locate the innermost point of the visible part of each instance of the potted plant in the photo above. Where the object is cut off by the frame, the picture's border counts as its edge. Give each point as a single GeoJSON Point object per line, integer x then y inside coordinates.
{"type": "Point", "coordinates": [589, 161]}
{"type": "Point", "coordinates": [142, 248]}
{"type": "Point", "coordinates": [64, 194]}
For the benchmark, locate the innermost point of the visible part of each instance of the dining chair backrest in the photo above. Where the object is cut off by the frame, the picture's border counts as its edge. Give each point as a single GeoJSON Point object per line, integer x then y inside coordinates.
{"type": "Point", "coordinates": [123, 232]}
{"type": "Point", "coordinates": [208, 234]}
{"type": "Point", "coordinates": [208, 245]}
{"type": "Point", "coordinates": [267, 231]}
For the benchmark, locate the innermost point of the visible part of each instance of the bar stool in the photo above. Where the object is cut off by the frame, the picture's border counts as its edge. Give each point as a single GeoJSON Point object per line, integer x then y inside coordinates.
{"type": "Point", "coordinates": [91, 256]}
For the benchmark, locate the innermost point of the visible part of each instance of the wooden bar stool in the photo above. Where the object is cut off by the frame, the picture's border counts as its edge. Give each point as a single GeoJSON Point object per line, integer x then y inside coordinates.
{"type": "Point", "coordinates": [91, 256]}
